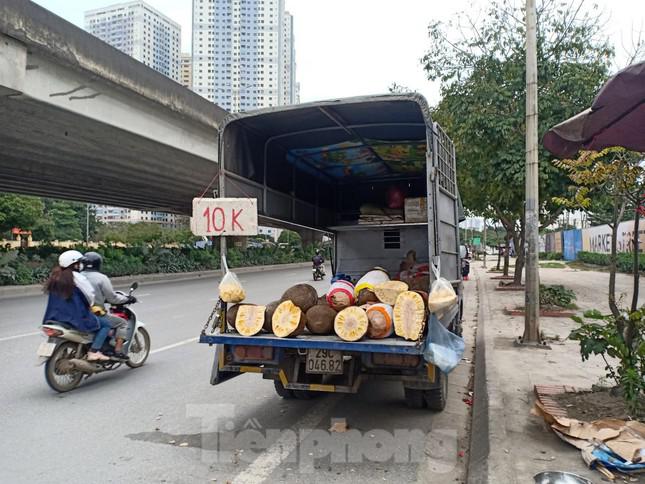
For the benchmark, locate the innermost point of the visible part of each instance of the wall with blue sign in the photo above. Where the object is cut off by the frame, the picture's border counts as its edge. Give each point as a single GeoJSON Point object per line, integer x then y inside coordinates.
{"type": "Point", "coordinates": [571, 244]}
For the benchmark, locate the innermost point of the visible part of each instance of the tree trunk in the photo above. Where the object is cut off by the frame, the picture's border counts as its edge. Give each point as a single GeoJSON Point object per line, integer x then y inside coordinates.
{"type": "Point", "coordinates": [519, 243]}
{"type": "Point", "coordinates": [506, 253]}
{"type": "Point", "coordinates": [619, 207]}
{"type": "Point", "coordinates": [636, 247]}
{"type": "Point", "coordinates": [499, 252]}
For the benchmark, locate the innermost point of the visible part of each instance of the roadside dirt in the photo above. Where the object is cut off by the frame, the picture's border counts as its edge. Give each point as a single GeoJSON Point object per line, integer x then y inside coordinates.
{"type": "Point", "coordinates": [589, 406]}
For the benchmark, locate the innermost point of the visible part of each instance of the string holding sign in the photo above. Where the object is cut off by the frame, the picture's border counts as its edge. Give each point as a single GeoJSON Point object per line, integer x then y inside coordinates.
{"type": "Point", "coordinates": [224, 216]}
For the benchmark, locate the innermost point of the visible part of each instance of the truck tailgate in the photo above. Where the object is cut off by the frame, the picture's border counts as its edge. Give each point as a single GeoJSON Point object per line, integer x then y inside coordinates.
{"type": "Point", "coordinates": [332, 342]}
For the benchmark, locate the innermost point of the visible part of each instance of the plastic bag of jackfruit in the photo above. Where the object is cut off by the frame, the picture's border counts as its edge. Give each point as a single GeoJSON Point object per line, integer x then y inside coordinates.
{"type": "Point", "coordinates": [230, 288]}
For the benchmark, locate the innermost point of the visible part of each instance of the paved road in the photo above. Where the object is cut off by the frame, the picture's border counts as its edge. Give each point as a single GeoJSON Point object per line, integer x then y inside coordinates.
{"type": "Point", "coordinates": [117, 427]}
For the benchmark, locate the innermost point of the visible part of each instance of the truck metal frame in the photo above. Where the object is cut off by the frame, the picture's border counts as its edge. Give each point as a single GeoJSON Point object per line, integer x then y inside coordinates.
{"type": "Point", "coordinates": [315, 166]}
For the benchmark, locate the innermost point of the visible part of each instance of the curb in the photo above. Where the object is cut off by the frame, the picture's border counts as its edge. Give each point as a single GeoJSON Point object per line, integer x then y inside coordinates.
{"type": "Point", "coordinates": [488, 463]}
{"type": "Point", "coordinates": [7, 292]}
{"type": "Point", "coordinates": [479, 441]}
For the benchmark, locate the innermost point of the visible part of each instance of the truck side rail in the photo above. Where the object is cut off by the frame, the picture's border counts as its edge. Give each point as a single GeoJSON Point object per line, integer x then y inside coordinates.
{"type": "Point", "coordinates": [387, 345]}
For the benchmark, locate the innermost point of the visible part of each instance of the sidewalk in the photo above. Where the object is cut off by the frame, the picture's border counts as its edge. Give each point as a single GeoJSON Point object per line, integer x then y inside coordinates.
{"type": "Point", "coordinates": [520, 444]}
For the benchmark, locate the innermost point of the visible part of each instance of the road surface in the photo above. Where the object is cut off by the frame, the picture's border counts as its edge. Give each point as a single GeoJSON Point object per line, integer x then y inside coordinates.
{"type": "Point", "coordinates": [164, 422]}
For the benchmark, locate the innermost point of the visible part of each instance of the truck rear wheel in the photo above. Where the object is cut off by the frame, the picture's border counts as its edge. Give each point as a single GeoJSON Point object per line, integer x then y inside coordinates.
{"type": "Point", "coordinates": [282, 391]}
{"type": "Point", "coordinates": [414, 398]}
{"type": "Point", "coordinates": [436, 398]}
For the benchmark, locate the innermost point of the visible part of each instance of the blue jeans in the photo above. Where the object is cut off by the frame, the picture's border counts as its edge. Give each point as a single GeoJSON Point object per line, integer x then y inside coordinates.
{"type": "Point", "coordinates": [101, 334]}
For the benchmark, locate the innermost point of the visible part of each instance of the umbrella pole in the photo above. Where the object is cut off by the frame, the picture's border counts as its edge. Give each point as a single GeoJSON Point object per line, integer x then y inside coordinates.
{"type": "Point", "coordinates": [532, 220]}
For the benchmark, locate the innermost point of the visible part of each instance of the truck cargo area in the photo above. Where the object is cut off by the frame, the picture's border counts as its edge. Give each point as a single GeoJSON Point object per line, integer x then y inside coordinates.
{"type": "Point", "coordinates": [329, 166]}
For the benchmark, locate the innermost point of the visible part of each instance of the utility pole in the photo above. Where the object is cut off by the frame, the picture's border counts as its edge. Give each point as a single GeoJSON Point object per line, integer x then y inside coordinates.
{"type": "Point", "coordinates": [532, 220]}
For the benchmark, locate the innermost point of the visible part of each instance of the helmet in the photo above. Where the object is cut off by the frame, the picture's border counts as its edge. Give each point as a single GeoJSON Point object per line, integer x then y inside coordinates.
{"type": "Point", "coordinates": [93, 261]}
{"type": "Point", "coordinates": [317, 252]}
{"type": "Point", "coordinates": [69, 258]}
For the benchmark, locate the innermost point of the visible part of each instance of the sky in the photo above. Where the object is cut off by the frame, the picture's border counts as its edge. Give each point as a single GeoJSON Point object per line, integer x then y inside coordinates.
{"type": "Point", "coordinates": [356, 47]}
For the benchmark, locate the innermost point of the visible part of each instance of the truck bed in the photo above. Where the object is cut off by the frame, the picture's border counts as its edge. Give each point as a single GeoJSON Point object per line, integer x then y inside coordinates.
{"type": "Point", "coordinates": [387, 345]}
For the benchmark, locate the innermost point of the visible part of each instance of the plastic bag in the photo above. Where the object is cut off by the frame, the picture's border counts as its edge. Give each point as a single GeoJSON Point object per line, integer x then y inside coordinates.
{"type": "Point", "coordinates": [230, 288]}
{"type": "Point", "coordinates": [442, 294]}
{"type": "Point", "coordinates": [443, 348]}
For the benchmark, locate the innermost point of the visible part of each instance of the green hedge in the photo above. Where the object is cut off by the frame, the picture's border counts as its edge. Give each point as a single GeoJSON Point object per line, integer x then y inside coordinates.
{"type": "Point", "coordinates": [551, 256]}
{"type": "Point", "coordinates": [32, 265]}
{"type": "Point", "coordinates": [624, 261]}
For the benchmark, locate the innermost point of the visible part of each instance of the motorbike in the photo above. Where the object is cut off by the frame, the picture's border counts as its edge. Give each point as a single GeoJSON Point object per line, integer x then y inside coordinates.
{"type": "Point", "coordinates": [465, 269]}
{"type": "Point", "coordinates": [464, 253]}
{"type": "Point", "coordinates": [318, 272]}
{"type": "Point", "coordinates": [65, 351]}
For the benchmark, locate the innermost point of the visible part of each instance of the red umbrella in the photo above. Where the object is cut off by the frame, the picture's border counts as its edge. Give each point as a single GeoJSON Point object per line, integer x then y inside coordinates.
{"type": "Point", "coordinates": [616, 118]}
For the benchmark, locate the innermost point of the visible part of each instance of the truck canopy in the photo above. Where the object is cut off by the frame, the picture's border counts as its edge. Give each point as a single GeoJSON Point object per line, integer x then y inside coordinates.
{"type": "Point", "coordinates": [319, 165]}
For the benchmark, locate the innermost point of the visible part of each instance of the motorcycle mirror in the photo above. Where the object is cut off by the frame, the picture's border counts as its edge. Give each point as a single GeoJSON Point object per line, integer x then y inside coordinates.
{"type": "Point", "coordinates": [133, 286]}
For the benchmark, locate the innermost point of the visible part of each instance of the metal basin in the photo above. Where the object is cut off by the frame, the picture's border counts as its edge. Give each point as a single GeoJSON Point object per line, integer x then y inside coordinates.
{"type": "Point", "coordinates": [559, 477]}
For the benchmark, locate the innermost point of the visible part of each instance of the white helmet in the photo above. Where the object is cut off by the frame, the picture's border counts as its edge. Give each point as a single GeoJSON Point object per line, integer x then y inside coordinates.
{"type": "Point", "coordinates": [69, 257]}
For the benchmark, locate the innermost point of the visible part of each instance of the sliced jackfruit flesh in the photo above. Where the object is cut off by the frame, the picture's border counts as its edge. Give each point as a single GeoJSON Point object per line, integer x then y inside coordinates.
{"type": "Point", "coordinates": [409, 315]}
{"type": "Point", "coordinates": [388, 291]}
{"type": "Point", "coordinates": [249, 320]}
{"type": "Point", "coordinates": [351, 323]}
{"type": "Point", "coordinates": [287, 319]}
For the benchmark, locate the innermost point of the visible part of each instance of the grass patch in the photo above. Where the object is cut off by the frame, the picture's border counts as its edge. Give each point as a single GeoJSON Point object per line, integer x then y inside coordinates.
{"type": "Point", "coordinates": [552, 265]}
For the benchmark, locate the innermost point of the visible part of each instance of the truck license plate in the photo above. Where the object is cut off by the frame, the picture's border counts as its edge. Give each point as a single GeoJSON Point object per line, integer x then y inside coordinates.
{"type": "Point", "coordinates": [324, 361]}
{"type": "Point", "coordinates": [46, 349]}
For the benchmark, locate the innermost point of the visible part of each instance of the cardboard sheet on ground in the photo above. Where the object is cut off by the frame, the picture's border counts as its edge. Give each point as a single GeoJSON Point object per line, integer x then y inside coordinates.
{"type": "Point", "coordinates": [612, 443]}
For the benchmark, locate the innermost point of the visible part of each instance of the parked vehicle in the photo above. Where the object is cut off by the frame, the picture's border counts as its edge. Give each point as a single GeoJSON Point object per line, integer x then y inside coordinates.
{"type": "Point", "coordinates": [326, 165]}
{"type": "Point", "coordinates": [65, 351]}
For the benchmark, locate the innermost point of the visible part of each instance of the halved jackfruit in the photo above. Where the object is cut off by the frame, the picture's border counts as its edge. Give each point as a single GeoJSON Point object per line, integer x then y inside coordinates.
{"type": "Point", "coordinates": [409, 315]}
{"type": "Point", "coordinates": [250, 319]}
{"type": "Point", "coordinates": [268, 315]}
{"type": "Point", "coordinates": [387, 292]}
{"type": "Point", "coordinates": [380, 321]}
{"type": "Point", "coordinates": [320, 319]}
{"type": "Point", "coordinates": [351, 323]}
{"type": "Point", "coordinates": [288, 320]}
{"type": "Point", "coordinates": [302, 295]}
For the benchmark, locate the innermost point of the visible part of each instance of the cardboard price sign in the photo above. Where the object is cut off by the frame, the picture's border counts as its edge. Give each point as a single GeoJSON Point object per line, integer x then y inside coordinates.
{"type": "Point", "coordinates": [224, 216]}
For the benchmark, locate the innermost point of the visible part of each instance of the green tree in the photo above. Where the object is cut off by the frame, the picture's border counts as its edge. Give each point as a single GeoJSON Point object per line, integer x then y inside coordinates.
{"type": "Point", "coordinates": [617, 177]}
{"type": "Point", "coordinates": [86, 212]}
{"type": "Point", "coordinates": [178, 236]}
{"type": "Point", "coordinates": [19, 211]}
{"type": "Point", "coordinates": [482, 76]}
{"type": "Point", "coordinates": [65, 220]}
{"type": "Point", "coordinates": [290, 237]}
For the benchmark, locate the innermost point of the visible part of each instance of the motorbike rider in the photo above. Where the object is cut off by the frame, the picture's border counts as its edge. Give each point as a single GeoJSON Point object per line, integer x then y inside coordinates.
{"type": "Point", "coordinates": [70, 296]}
{"type": "Point", "coordinates": [104, 292]}
{"type": "Point", "coordinates": [318, 261]}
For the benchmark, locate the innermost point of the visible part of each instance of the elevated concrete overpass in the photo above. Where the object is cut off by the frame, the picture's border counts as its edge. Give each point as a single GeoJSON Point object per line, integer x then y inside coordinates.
{"type": "Point", "coordinates": [83, 121]}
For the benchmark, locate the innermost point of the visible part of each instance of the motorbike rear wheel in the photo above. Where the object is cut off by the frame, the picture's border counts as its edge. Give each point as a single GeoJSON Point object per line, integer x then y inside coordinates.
{"type": "Point", "coordinates": [139, 349]}
{"type": "Point", "coordinates": [60, 375]}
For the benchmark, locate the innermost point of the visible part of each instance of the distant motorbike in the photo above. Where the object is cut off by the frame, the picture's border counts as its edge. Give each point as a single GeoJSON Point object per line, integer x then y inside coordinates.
{"type": "Point", "coordinates": [318, 272]}
{"type": "Point", "coordinates": [465, 262]}
{"type": "Point", "coordinates": [465, 269]}
{"type": "Point", "coordinates": [65, 351]}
